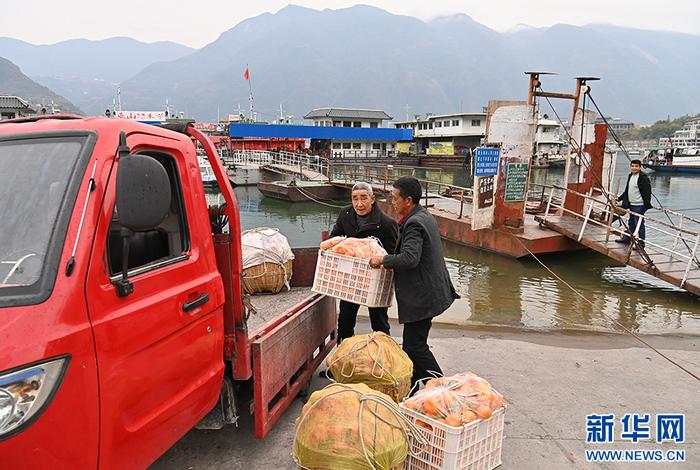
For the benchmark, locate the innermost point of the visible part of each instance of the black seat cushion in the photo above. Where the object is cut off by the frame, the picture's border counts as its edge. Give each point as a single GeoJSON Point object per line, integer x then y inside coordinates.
{"type": "Point", "coordinates": [144, 248]}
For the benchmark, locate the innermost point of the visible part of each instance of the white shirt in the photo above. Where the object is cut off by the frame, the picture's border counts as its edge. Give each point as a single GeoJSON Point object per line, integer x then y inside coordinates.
{"type": "Point", "coordinates": [633, 194]}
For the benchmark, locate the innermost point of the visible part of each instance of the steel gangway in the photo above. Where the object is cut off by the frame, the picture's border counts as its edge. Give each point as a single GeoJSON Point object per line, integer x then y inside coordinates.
{"type": "Point", "coordinates": [669, 251]}
{"type": "Point", "coordinates": [308, 167]}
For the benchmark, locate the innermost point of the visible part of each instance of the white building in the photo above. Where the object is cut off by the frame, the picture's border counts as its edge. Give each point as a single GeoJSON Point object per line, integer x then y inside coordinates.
{"type": "Point", "coordinates": [688, 136]}
{"type": "Point", "coordinates": [616, 124]}
{"type": "Point", "coordinates": [446, 134]}
{"type": "Point", "coordinates": [348, 117]}
{"type": "Point", "coordinates": [364, 133]}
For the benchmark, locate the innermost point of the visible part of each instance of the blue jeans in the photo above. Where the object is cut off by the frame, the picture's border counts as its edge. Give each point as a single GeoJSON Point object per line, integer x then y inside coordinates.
{"type": "Point", "coordinates": [634, 220]}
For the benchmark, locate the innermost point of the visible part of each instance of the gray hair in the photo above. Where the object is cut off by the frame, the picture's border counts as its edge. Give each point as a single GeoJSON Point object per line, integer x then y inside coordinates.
{"type": "Point", "coordinates": [362, 186]}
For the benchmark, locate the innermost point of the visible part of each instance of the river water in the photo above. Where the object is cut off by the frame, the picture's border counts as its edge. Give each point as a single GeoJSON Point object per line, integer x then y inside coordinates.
{"type": "Point", "coordinates": [497, 290]}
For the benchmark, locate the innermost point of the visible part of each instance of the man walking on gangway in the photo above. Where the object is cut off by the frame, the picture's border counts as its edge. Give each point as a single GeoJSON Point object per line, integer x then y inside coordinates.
{"type": "Point", "coordinates": [637, 199]}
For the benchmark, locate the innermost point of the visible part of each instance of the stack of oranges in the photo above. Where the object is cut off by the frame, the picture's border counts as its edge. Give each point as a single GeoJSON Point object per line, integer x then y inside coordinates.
{"type": "Point", "coordinates": [456, 400]}
{"type": "Point", "coordinates": [355, 247]}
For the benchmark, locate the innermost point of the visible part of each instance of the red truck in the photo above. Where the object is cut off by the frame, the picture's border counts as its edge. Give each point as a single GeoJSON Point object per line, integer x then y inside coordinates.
{"type": "Point", "coordinates": [122, 316]}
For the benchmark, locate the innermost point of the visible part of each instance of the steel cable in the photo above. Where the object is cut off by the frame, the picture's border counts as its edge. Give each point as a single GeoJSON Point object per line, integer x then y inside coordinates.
{"type": "Point", "coordinates": [579, 149]}
{"type": "Point", "coordinates": [611, 319]}
{"type": "Point", "coordinates": [624, 150]}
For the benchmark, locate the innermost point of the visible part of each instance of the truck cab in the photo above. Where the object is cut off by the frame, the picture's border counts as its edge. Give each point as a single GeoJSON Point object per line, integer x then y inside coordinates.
{"type": "Point", "coordinates": [122, 316]}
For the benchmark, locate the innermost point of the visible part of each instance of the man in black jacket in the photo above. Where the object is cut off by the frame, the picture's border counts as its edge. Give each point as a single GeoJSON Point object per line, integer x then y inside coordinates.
{"type": "Point", "coordinates": [360, 220]}
{"type": "Point", "coordinates": [423, 286]}
{"type": "Point", "coordinates": [636, 198]}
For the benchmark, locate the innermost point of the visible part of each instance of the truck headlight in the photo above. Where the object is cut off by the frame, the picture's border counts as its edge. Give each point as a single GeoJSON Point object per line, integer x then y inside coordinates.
{"type": "Point", "coordinates": [25, 392]}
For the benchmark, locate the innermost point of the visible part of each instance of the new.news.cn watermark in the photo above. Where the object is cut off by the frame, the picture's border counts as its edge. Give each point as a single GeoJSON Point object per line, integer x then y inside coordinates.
{"type": "Point", "coordinates": [635, 428]}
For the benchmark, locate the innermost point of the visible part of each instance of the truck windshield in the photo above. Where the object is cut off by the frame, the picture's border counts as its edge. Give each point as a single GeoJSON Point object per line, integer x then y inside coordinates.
{"type": "Point", "coordinates": [35, 178]}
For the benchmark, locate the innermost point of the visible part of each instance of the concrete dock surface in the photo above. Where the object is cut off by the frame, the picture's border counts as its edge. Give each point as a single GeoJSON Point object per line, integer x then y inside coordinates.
{"type": "Point", "coordinates": [551, 380]}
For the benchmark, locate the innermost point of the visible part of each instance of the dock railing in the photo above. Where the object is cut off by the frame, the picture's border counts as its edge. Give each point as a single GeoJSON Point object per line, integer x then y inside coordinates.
{"type": "Point", "coordinates": [673, 235]}
{"type": "Point", "coordinates": [380, 176]}
{"type": "Point", "coordinates": [289, 160]}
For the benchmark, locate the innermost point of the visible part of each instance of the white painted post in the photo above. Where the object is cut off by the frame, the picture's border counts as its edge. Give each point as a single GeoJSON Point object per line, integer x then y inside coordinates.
{"type": "Point", "coordinates": [640, 219]}
{"type": "Point", "coordinates": [585, 219]}
{"type": "Point", "coordinates": [678, 235]}
{"type": "Point", "coordinates": [549, 203]}
{"type": "Point", "coordinates": [690, 261]}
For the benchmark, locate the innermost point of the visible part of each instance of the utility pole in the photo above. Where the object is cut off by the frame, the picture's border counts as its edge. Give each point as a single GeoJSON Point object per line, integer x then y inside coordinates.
{"type": "Point", "coordinates": [407, 108]}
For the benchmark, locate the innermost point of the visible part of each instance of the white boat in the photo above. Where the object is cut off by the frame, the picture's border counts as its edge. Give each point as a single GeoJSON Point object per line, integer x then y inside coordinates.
{"type": "Point", "coordinates": [208, 176]}
{"type": "Point", "coordinates": [672, 159]}
{"type": "Point", "coordinates": [549, 144]}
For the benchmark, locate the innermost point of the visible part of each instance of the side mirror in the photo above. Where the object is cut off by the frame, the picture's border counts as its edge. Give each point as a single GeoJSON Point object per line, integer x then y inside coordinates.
{"type": "Point", "coordinates": [143, 201]}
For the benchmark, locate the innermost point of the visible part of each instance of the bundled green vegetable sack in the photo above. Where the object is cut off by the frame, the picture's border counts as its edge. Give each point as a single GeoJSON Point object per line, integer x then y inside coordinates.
{"type": "Point", "coordinates": [351, 427]}
{"type": "Point", "coordinates": [376, 360]}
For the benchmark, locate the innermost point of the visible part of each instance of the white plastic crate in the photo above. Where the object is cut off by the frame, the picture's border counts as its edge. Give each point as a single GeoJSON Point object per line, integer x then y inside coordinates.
{"type": "Point", "coordinates": [353, 279]}
{"type": "Point", "coordinates": [474, 446]}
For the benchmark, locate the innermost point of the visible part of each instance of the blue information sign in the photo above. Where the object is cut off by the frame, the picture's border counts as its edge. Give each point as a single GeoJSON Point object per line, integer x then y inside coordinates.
{"type": "Point", "coordinates": [486, 161]}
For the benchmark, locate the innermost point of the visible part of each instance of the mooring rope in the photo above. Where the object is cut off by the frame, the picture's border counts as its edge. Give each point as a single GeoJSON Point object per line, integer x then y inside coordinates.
{"type": "Point", "coordinates": [610, 318]}
{"type": "Point", "coordinates": [308, 196]}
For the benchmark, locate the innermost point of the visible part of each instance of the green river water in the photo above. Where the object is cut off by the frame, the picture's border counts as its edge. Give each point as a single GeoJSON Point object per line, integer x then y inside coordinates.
{"type": "Point", "coordinates": [497, 290]}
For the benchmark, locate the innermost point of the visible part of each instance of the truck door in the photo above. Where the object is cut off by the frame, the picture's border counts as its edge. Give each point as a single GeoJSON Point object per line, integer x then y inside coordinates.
{"type": "Point", "coordinates": [159, 349]}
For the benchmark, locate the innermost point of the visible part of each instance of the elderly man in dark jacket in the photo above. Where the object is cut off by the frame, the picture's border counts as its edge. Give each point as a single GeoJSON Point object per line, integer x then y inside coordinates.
{"type": "Point", "coordinates": [364, 219]}
{"type": "Point", "coordinates": [423, 286]}
{"type": "Point", "coordinates": [636, 198]}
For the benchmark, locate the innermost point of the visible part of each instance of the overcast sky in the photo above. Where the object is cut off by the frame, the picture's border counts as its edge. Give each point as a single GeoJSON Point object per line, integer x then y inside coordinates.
{"type": "Point", "coordinates": [198, 23]}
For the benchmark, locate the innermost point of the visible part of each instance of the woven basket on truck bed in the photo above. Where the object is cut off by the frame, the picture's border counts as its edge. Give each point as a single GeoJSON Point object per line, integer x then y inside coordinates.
{"type": "Point", "coordinates": [267, 277]}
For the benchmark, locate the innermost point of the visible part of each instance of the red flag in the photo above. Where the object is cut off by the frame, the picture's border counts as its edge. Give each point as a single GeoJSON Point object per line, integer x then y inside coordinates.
{"type": "Point", "coordinates": [245, 74]}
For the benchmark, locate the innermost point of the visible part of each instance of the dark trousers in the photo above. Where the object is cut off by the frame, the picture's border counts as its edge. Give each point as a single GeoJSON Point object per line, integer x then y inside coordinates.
{"type": "Point", "coordinates": [415, 344]}
{"type": "Point", "coordinates": [634, 220]}
{"type": "Point", "coordinates": [347, 317]}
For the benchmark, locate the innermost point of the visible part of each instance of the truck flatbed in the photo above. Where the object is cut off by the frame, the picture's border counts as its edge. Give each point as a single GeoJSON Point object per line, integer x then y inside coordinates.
{"type": "Point", "coordinates": [281, 345]}
{"type": "Point", "coordinates": [269, 307]}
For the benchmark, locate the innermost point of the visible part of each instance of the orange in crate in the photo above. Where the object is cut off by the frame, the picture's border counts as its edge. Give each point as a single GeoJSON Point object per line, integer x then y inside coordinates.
{"type": "Point", "coordinates": [353, 279]}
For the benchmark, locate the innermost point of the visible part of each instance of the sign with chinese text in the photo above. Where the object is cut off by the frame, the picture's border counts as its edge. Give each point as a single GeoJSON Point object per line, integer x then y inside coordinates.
{"type": "Point", "coordinates": [483, 202]}
{"type": "Point", "coordinates": [205, 126]}
{"type": "Point", "coordinates": [636, 428]}
{"type": "Point", "coordinates": [145, 116]}
{"type": "Point", "coordinates": [485, 198]}
{"type": "Point", "coordinates": [486, 161]}
{"type": "Point", "coordinates": [516, 182]}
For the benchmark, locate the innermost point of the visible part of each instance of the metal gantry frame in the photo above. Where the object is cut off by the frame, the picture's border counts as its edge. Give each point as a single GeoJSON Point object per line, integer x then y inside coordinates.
{"type": "Point", "coordinates": [535, 91]}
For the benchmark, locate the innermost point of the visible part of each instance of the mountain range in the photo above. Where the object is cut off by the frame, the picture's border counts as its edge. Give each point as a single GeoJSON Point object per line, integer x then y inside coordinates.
{"type": "Point", "coordinates": [366, 57]}
{"type": "Point", "coordinates": [88, 72]}
{"type": "Point", "coordinates": [14, 82]}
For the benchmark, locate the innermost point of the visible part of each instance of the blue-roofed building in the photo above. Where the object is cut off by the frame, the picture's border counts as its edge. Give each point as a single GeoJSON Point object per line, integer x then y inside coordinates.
{"type": "Point", "coordinates": [336, 133]}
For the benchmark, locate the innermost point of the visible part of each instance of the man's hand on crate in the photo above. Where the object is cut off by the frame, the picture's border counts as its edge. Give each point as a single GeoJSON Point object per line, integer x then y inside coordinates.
{"type": "Point", "coordinates": [376, 261]}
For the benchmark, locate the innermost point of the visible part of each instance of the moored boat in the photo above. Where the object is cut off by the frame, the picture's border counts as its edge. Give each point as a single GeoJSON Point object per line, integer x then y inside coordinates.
{"type": "Point", "coordinates": [302, 191]}
{"type": "Point", "coordinates": [208, 176]}
{"type": "Point", "coordinates": [672, 159]}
